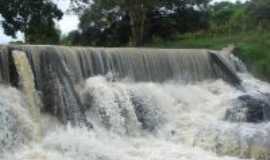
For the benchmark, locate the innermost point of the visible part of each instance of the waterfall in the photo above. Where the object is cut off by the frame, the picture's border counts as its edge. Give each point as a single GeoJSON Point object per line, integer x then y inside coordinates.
{"type": "Point", "coordinates": [59, 70]}
{"type": "Point", "coordinates": [156, 65]}
{"type": "Point", "coordinates": [124, 103]}
{"type": "Point", "coordinates": [27, 86]}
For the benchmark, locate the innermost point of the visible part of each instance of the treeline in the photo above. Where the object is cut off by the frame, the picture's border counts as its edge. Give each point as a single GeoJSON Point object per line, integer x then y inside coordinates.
{"type": "Point", "coordinates": [131, 22]}
{"type": "Point", "coordinates": [118, 23]}
{"type": "Point", "coordinates": [226, 17]}
{"type": "Point", "coordinates": [34, 18]}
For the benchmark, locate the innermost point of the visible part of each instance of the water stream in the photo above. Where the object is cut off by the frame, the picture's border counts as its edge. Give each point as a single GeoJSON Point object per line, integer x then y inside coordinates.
{"type": "Point", "coordinates": [120, 106]}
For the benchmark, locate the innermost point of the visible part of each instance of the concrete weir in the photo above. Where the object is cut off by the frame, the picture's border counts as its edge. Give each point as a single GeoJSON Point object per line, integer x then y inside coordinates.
{"type": "Point", "coordinates": [58, 70]}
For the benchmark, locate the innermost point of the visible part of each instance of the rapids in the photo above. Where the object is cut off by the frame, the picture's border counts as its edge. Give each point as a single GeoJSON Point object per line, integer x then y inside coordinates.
{"type": "Point", "coordinates": [130, 104]}
{"type": "Point", "coordinates": [147, 121]}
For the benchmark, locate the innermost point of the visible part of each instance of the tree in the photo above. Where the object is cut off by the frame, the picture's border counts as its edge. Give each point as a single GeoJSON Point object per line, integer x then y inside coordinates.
{"type": "Point", "coordinates": [110, 28]}
{"type": "Point", "coordinates": [222, 12]}
{"type": "Point", "coordinates": [168, 24]}
{"type": "Point", "coordinates": [260, 11]}
{"type": "Point", "coordinates": [240, 21]}
{"type": "Point", "coordinates": [73, 38]}
{"type": "Point", "coordinates": [35, 18]}
{"type": "Point", "coordinates": [135, 9]}
{"type": "Point", "coordinates": [229, 17]}
{"type": "Point", "coordinates": [103, 14]}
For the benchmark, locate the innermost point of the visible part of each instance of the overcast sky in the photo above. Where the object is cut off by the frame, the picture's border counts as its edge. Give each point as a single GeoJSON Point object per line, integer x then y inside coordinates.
{"type": "Point", "coordinates": [67, 23]}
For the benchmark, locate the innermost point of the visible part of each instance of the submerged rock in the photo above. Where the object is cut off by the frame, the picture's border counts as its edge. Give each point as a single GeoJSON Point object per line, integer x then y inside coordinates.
{"type": "Point", "coordinates": [250, 108]}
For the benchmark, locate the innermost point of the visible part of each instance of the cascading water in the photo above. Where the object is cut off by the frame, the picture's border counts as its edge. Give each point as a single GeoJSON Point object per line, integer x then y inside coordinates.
{"type": "Point", "coordinates": [130, 104]}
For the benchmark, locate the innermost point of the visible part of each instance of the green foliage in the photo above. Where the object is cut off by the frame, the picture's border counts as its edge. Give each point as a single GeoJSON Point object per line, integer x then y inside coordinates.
{"type": "Point", "coordinates": [229, 17]}
{"type": "Point", "coordinates": [234, 17]}
{"type": "Point", "coordinates": [116, 23]}
{"type": "Point", "coordinates": [260, 11]}
{"type": "Point", "coordinates": [222, 12]}
{"type": "Point", "coordinates": [35, 18]}
{"type": "Point", "coordinates": [239, 21]}
{"type": "Point", "coordinates": [73, 38]}
{"type": "Point", "coordinates": [104, 13]}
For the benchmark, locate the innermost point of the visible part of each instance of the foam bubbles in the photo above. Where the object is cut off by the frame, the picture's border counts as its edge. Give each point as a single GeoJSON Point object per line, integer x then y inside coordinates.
{"type": "Point", "coordinates": [15, 122]}
{"type": "Point", "coordinates": [153, 121]}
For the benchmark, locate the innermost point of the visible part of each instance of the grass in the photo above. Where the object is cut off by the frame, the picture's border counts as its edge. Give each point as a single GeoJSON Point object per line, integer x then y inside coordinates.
{"type": "Point", "coordinates": [252, 47]}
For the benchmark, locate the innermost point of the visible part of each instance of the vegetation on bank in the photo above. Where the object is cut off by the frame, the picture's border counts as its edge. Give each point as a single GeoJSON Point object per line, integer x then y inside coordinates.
{"type": "Point", "coordinates": [253, 47]}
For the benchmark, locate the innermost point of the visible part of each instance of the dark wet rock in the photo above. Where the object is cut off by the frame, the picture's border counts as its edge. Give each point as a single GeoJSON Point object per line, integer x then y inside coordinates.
{"type": "Point", "coordinates": [250, 108]}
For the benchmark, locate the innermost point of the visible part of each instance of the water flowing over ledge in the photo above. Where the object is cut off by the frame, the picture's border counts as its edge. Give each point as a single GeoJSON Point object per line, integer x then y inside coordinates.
{"type": "Point", "coordinates": [157, 65]}
{"type": "Point", "coordinates": [58, 70]}
{"type": "Point", "coordinates": [126, 103]}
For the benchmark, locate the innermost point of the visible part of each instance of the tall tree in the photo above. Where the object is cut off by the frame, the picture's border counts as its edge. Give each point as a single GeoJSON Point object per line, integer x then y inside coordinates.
{"type": "Point", "coordinates": [104, 13]}
{"type": "Point", "coordinates": [260, 11]}
{"type": "Point", "coordinates": [135, 9]}
{"type": "Point", "coordinates": [35, 18]}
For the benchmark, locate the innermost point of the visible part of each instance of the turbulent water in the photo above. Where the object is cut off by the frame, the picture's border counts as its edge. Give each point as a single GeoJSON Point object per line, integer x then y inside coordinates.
{"type": "Point", "coordinates": [110, 117]}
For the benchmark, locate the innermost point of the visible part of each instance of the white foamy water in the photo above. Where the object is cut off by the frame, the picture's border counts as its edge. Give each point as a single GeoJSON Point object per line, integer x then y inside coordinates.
{"type": "Point", "coordinates": [151, 121]}
{"type": "Point", "coordinates": [15, 121]}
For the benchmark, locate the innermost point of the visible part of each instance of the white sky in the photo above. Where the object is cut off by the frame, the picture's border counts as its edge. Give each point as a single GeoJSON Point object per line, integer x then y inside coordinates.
{"type": "Point", "coordinates": [66, 24]}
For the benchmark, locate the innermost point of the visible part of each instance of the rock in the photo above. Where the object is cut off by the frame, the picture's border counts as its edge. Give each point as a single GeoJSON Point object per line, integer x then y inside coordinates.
{"type": "Point", "coordinates": [250, 108]}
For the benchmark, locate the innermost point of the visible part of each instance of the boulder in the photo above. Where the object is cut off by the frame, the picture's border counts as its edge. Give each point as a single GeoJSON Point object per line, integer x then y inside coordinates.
{"type": "Point", "coordinates": [250, 108]}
